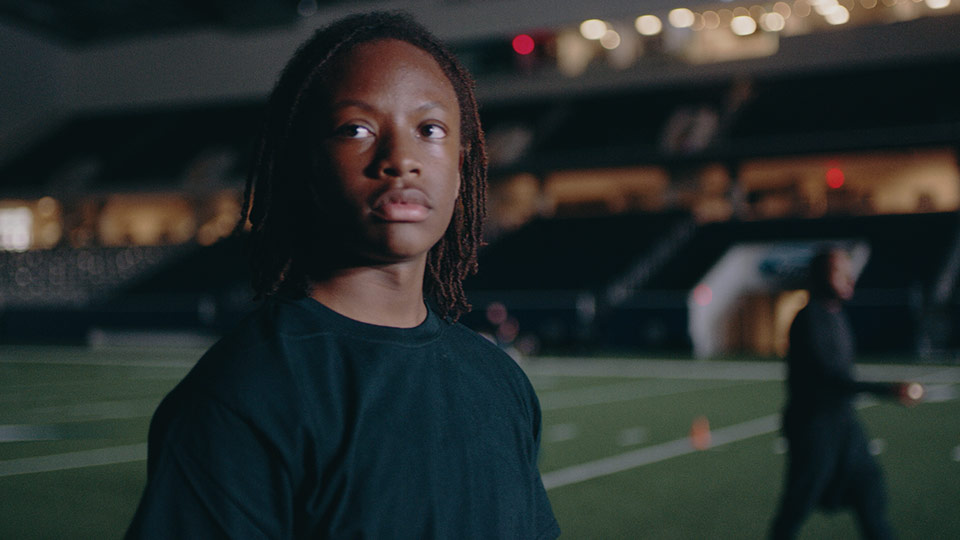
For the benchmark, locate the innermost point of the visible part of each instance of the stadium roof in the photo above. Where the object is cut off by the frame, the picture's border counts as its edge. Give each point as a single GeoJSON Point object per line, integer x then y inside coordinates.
{"type": "Point", "coordinates": [105, 20]}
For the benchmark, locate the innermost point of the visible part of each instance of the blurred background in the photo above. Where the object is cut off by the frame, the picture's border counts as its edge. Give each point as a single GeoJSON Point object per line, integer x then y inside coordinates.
{"type": "Point", "coordinates": [660, 173]}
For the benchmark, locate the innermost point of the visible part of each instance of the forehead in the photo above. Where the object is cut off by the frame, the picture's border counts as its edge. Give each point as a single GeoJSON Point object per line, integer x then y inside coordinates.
{"type": "Point", "coordinates": [396, 67]}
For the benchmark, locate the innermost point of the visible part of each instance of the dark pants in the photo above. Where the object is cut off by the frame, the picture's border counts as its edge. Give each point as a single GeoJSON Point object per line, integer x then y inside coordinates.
{"type": "Point", "coordinates": [829, 466]}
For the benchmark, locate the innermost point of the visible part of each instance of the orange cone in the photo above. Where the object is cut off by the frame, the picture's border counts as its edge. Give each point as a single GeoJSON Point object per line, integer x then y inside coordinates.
{"type": "Point", "coordinates": [700, 433]}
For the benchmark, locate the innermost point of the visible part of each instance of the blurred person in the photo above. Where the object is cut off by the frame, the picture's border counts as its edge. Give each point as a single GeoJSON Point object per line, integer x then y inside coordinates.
{"type": "Point", "coordinates": [829, 465]}
{"type": "Point", "coordinates": [351, 404]}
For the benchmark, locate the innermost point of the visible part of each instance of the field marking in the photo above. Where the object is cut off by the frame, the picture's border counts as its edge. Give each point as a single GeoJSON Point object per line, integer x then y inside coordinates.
{"type": "Point", "coordinates": [723, 370]}
{"type": "Point", "coordinates": [615, 393]}
{"type": "Point", "coordinates": [561, 433]}
{"type": "Point", "coordinates": [632, 436]}
{"type": "Point", "coordinates": [655, 368]}
{"type": "Point", "coordinates": [99, 410]}
{"type": "Point", "coordinates": [81, 356]}
{"type": "Point", "coordinates": [905, 373]}
{"type": "Point", "coordinates": [74, 460]}
{"type": "Point", "coordinates": [28, 432]}
{"type": "Point", "coordinates": [680, 447]}
{"type": "Point", "coordinates": [936, 393]}
{"type": "Point", "coordinates": [68, 417]}
{"type": "Point", "coordinates": [658, 452]}
{"type": "Point", "coordinates": [105, 362]}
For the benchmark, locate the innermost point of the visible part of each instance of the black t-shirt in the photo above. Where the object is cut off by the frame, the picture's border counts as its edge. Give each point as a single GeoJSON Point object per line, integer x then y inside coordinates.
{"type": "Point", "coordinates": [820, 364]}
{"type": "Point", "coordinates": [306, 424]}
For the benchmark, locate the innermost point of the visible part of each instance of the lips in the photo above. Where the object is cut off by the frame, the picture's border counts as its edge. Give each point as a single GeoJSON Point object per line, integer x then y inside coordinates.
{"type": "Point", "coordinates": [406, 205]}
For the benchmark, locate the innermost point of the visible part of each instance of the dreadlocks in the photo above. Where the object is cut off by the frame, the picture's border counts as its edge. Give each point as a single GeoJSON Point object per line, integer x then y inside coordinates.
{"type": "Point", "coordinates": [276, 201]}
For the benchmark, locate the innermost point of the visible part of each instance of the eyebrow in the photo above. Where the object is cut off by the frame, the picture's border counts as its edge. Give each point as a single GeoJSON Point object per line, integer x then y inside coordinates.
{"type": "Point", "coordinates": [345, 103]}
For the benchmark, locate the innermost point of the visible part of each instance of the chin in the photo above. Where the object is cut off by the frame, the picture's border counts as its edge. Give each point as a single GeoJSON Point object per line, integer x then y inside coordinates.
{"type": "Point", "coordinates": [396, 252]}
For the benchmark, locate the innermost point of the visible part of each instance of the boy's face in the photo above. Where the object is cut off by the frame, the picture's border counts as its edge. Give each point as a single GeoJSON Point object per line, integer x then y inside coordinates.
{"type": "Point", "coordinates": [389, 151]}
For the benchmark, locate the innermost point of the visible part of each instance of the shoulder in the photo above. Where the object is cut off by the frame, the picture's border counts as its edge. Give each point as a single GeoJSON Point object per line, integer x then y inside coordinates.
{"type": "Point", "coordinates": [262, 346]}
{"type": "Point", "coordinates": [250, 370]}
{"type": "Point", "coordinates": [247, 352]}
{"type": "Point", "coordinates": [245, 385]}
{"type": "Point", "coordinates": [477, 353]}
{"type": "Point", "coordinates": [815, 313]}
{"type": "Point", "coordinates": [481, 348]}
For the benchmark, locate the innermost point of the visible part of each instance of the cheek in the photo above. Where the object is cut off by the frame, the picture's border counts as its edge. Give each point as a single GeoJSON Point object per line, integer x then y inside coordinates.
{"type": "Point", "coordinates": [451, 194]}
{"type": "Point", "coordinates": [340, 178]}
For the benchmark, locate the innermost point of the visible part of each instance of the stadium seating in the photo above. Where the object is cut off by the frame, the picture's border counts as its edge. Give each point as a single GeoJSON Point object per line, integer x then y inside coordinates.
{"type": "Point", "coordinates": [152, 149]}
{"type": "Point", "coordinates": [906, 250]}
{"type": "Point", "coordinates": [67, 277]}
{"type": "Point", "coordinates": [552, 273]}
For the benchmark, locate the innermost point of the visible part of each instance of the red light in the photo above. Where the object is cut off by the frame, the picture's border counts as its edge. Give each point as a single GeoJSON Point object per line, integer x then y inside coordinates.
{"type": "Point", "coordinates": [496, 313]}
{"type": "Point", "coordinates": [702, 295]}
{"type": "Point", "coordinates": [523, 44]}
{"type": "Point", "coordinates": [835, 177]}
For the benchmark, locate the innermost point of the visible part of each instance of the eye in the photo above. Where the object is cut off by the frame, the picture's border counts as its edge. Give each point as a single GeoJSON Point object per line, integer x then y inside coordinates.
{"type": "Point", "coordinates": [353, 131]}
{"type": "Point", "coordinates": [433, 131]}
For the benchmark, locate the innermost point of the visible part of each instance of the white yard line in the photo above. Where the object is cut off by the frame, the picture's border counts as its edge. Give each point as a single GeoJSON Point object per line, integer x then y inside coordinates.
{"type": "Point", "coordinates": [680, 447]}
{"type": "Point", "coordinates": [74, 460]}
{"type": "Point", "coordinates": [39, 419]}
{"type": "Point", "coordinates": [936, 393]}
{"type": "Point", "coordinates": [653, 368]}
{"type": "Point", "coordinates": [658, 452]}
{"type": "Point", "coordinates": [28, 432]}
{"type": "Point", "coordinates": [107, 362]}
{"type": "Point", "coordinates": [99, 410]}
{"type": "Point", "coordinates": [721, 370]}
{"type": "Point", "coordinates": [119, 356]}
{"type": "Point", "coordinates": [619, 392]}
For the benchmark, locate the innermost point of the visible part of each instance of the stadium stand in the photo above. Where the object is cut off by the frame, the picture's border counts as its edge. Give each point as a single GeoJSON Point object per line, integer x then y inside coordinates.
{"type": "Point", "coordinates": [908, 255]}
{"type": "Point", "coordinates": [573, 253]}
{"type": "Point", "coordinates": [124, 151]}
{"type": "Point", "coordinates": [552, 273]}
{"type": "Point", "coordinates": [66, 277]}
{"type": "Point", "coordinates": [618, 279]}
{"type": "Point", "coordinates": [898, 260]}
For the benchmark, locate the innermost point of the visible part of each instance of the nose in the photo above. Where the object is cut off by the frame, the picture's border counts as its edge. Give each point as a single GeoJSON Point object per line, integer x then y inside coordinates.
{"type": "Point", "coordinates": [397, 157]}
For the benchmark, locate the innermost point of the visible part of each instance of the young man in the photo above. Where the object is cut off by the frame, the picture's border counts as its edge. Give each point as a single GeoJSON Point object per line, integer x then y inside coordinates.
{"type": "Point", "coordinates": [829, 464]}
{"type": "Point", "coordinates": [347, 406]}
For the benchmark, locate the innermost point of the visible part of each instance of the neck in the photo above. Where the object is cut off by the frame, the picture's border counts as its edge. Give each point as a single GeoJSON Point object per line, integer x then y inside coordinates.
{"type": "Point", "coordinates": [387, 295]}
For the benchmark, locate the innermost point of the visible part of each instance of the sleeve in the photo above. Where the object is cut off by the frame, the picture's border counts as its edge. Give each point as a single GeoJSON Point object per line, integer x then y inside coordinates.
{"type": "Point", "coordinates": [212, 473]}
{"type": "Point", "coordinates": [546, 524]}
{"type": "Point", "coordinates": [882, 389]}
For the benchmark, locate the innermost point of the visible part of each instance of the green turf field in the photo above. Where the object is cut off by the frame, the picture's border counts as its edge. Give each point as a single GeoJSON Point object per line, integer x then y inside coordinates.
{"type": "Point", "coordinates": [616, 455]}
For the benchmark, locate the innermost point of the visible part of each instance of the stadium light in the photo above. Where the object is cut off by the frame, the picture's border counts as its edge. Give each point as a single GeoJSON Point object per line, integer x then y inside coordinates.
{"type": "Point", "coordinates": [837, 16]}
{"type": "Point", "coordinates": [648, 25]}
{"type": "Point", "coordinates": [523, 44]}
{"type": "Point", "coordinates": [610, 40]}
{"type": "Point", "coordinates": [835, 177]}
{"type": "Point", "coordinates": [772, 22]}
{"type": "Point", "coordinates": [711, 20]}
{"type": "Point", "coordinates": [593, 29]}
{"type": "Point", "coordinates": [783, 9]}
{"type": "Point", "coordinates": [743, 25]}
{"type": "Point", "coordinates": [702, 295]}
{"type": "Point", "coordinates": [681, 18]}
